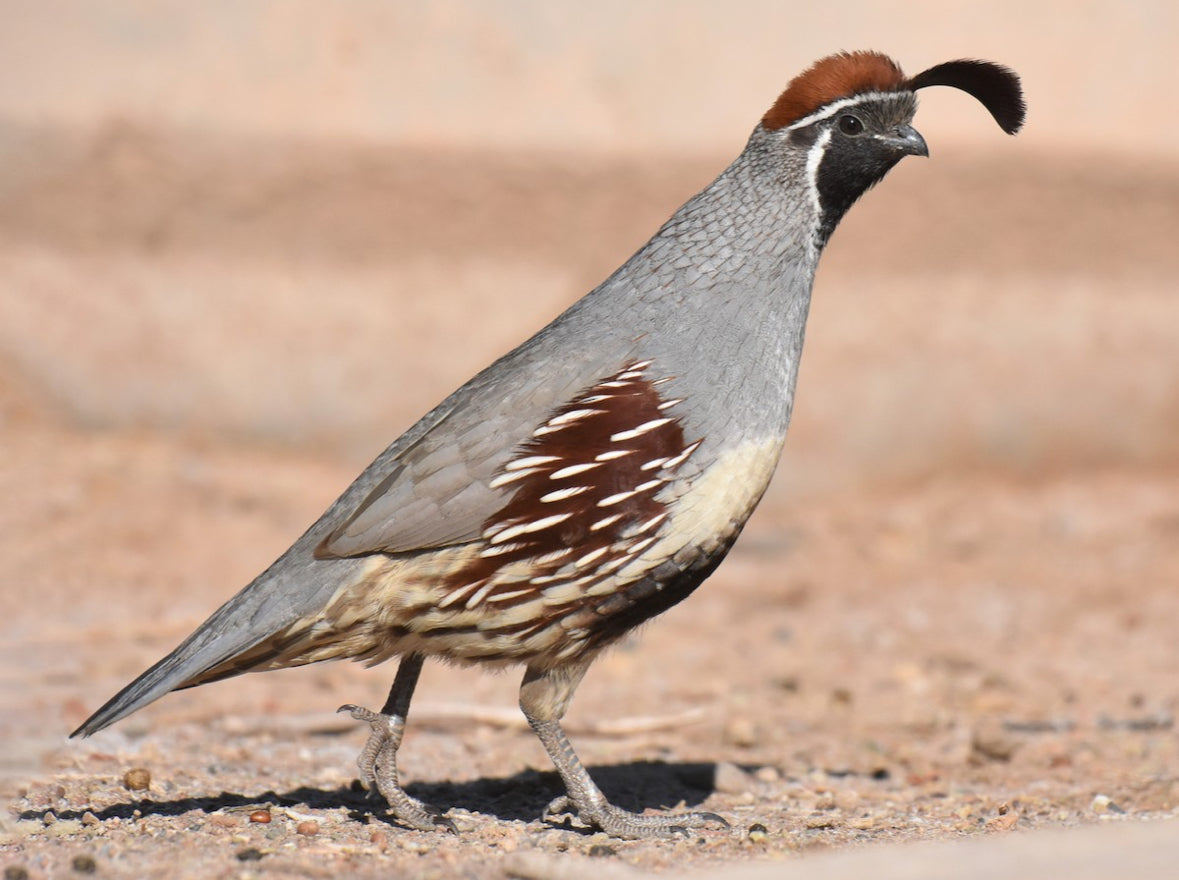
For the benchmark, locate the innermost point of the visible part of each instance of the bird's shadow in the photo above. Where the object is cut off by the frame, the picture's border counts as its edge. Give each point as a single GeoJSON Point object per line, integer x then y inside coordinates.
{"type": "Point", "coordinates": [523, 796]}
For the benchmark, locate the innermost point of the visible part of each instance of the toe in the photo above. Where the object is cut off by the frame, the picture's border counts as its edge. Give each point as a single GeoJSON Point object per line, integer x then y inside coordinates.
{"type": "Point", "coordinates": [445, 823]}
{"type": "Point", "coordinates": [359, 713]}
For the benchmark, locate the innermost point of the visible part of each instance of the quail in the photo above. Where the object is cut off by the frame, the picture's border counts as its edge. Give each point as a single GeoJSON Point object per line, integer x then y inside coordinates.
{"type": "Point", "coordinates": [598, 473]}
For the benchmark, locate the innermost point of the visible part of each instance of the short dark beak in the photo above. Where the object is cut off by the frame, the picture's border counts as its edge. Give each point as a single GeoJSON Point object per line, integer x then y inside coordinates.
{"type": "Point", "coordinates": [907, 141]}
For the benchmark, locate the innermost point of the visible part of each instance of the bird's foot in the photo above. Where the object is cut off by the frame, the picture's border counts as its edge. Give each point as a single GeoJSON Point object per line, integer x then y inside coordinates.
{"type": "Point", "coordinates": [630, 826]}
{"type": "Point", "coordinates": [378, 769]}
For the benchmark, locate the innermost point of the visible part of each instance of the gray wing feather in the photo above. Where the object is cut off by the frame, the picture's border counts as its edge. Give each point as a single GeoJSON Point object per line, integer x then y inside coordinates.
{"type": "Point", "coordinates": [436, 492]}
{"type": "Point", "coordinates": [428, 489]}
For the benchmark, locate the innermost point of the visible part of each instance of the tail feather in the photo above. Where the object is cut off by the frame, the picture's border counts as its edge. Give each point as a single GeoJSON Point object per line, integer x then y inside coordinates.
{"type": "Point", "coordinates": [292, 588]}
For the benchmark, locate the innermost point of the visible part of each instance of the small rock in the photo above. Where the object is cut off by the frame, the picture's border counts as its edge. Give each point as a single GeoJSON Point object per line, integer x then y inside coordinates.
{"type": "Point", "coordinates": [601, 850]}
{"type": "Point", "coordinates": [309, 828]}
{"type": "Point", "coordinates": [730, 779]}
{"type": "Point", "coordinates": [992, 743]}
{"type": "Point", "coordinates": [260, 816]}
{"type": "Point", "coordinates": [137, 779]}
{"type": "Point", "coordinates": [1103, 804]}
{"type": "Point", "coordinates": [50, 818]}
{"type": "Point", "coordinates": [1005, 821]}
{"type": "Point", "coordinates": [741, 732]}
{"type": "Point", "coordinates": [758, 833]}
{"type": "Point", "coordinates": [84, 864]}
{"type": "Point", "coordinates": [767, 774]}
{"type": "Point", "coordinates": [88, 818]}
{"type": "Point", "coordinates": [16, 872]}
{"type": "Point", "coordinates": [250, 854]}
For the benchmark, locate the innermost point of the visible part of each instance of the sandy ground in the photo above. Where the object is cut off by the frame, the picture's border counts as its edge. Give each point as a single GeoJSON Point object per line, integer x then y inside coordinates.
{"type": "Point", "coordinates": [954, 616]}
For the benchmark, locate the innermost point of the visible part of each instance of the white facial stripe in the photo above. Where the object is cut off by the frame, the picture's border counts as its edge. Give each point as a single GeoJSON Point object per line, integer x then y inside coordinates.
{"type": "Point", "coordinates": [813, 157]}
{"type": "Point", "coordinates": [830, 110]}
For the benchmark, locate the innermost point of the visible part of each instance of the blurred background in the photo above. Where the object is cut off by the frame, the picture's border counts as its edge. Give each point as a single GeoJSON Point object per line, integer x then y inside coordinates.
{"type": "Point", "coordinates": [243, 245]}
{"type": "Point", "coordinates": [303, 223]}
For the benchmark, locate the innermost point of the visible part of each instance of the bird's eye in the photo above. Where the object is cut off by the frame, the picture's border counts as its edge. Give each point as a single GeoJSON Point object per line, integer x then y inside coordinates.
{"type": "Point", "coordinates": [849, 124]}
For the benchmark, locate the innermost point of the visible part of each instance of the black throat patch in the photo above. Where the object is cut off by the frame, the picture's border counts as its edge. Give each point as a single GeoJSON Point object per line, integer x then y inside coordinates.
{"type": "Point", "coordinates": [852, 162]}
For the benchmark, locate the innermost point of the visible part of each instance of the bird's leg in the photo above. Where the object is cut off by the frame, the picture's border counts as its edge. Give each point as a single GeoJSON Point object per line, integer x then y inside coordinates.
{"type": "Point", "coordinates": [544, 697]}
{"type": "Point", "coordinates": [378, 758]}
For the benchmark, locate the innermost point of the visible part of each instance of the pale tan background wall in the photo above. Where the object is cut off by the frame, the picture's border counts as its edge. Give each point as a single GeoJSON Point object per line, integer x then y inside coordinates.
{"type": "Point", "coordinates": [304, 222]}
{"type": "Point", "coordinates": [685, 76]}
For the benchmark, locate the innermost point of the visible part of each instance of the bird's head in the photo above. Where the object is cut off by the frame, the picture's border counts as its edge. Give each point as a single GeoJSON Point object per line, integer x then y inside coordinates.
{"type": "Point", "coordinates": [849, 116]}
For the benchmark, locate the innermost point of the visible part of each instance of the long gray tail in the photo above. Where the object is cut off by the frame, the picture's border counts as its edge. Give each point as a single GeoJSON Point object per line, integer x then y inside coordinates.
{"type": "Point", "coordinates": [293, 587]}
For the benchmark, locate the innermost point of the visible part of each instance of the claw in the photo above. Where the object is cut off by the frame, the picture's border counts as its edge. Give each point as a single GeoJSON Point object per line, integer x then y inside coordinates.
{"type": "Point", "coordinates": [446, 824]}
{"type": "Point", "coordinates": [561, 806]}
{"type": "Point", "coordinates": [359, 713]}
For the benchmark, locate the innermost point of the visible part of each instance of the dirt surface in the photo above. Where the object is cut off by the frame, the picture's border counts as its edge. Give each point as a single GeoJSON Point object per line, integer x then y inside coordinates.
{"type": "Point", "coordinates": [954, 617]}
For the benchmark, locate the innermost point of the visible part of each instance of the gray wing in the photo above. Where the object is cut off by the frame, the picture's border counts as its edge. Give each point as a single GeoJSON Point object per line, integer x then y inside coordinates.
{"type": "Point", "coordinates": [428, 489]}
{"type": "Point", "coordinates": [434, 491]}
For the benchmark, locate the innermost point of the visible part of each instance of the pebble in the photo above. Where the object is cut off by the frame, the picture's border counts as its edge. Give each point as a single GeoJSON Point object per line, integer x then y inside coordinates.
{"type": "Point", "coordinates": [768, 774]}
{"type": "Point", "coordinates": [307, 829]}
{"type": "Point", "coordinates": [88, 818]}
{"type": "Point", "coordinates": [992, 743]}
{"type": "Point", "coordinates": [1004, 821]}
{"type": "Point", "coordinates": [741, 732]}
{"type": "Point", "coordinates": [1104, 804]}
{"type": "Point", "coordinates": [260, 816]}
{"type": "Point", "coordinates": [84, 864]}
{"type": "Point", "coordinates": [137, 779]}
{"type": "Point", "coordinates": [730, 779]}
{"type": "Point", "coordinates": [758, 833]}
{"type": "Point", "coordinates": [16, 872]}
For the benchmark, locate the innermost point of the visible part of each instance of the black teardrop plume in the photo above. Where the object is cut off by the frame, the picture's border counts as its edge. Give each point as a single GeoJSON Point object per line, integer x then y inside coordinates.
{"type": "Point", "coordinates": [995, 86]}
